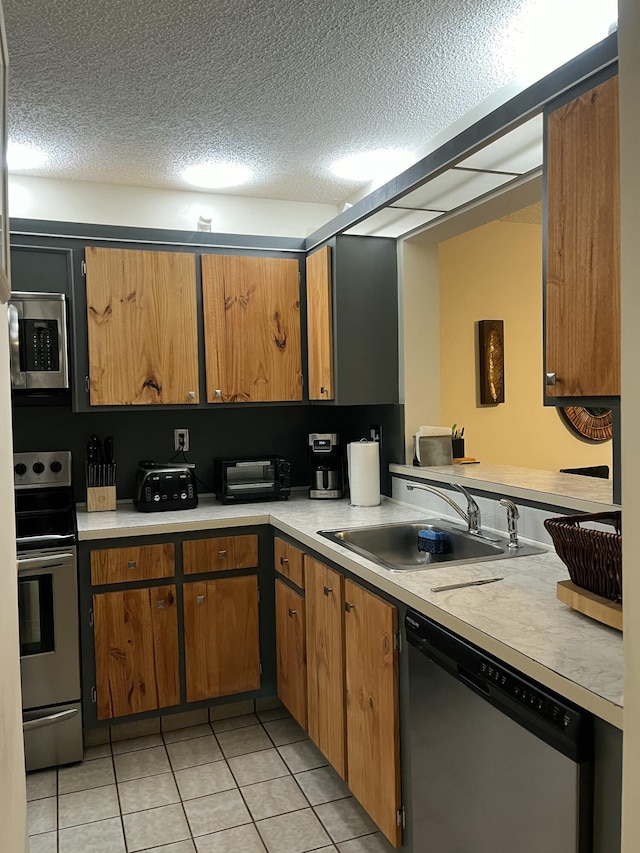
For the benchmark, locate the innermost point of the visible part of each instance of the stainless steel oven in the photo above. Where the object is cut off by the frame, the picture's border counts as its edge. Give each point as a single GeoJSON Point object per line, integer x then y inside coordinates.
{"type": "Point", "coordinates": [38, 341]}
{"type": "Point", "coordinates": [48, 609]}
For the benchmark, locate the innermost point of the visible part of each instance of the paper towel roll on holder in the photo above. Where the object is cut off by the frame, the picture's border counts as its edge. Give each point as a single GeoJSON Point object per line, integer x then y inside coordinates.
{"type": "Point", "coordinates": [363, 461]}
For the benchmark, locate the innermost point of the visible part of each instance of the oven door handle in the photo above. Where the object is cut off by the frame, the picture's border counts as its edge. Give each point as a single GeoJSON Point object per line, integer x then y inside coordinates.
{"type": "Point", "coordinates": [51, 562]}
{"type": "Point", "coordinates": [17, 376]}
{"type": "Point", "coordinates": [49, 720]}
{"type": "Point", "coordinates": [43, 538]}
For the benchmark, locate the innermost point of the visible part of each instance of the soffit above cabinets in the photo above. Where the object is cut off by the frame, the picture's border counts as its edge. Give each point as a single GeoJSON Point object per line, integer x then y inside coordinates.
{"type": "Point", "coordinates": [497, 165]}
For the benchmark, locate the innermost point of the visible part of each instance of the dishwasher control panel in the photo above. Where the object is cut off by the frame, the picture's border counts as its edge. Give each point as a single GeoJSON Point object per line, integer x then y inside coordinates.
{"type": "Point", "coordinates": [538, 701]}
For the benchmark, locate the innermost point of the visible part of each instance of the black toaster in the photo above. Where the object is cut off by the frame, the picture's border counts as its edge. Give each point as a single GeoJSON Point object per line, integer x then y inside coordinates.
{"type": "Point", "coordinates": [162, 487]}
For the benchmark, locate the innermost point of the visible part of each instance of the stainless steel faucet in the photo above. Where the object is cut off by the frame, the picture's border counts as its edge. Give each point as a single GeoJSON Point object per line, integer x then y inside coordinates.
{"type": "Point", "coordinates": [471, 516]}
{"type": "Point", "coordinates": [512, 522]}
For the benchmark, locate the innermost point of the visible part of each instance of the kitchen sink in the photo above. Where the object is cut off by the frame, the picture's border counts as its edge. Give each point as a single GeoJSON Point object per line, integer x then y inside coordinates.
{"type": "Point", "coordinates": [395, 546]}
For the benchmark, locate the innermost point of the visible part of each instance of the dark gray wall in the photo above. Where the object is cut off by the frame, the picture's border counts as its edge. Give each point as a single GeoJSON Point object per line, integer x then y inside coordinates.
{"type": "Point", "coordinates": [219, 432]}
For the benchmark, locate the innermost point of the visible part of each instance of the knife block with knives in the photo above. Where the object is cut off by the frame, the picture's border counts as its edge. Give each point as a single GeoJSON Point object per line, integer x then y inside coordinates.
{"type": "Point", "coordinates": [101, 475]}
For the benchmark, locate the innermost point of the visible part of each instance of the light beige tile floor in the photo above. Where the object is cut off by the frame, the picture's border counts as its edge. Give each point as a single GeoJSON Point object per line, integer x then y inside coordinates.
{"type": "Point", "coordinates": [247, 783]}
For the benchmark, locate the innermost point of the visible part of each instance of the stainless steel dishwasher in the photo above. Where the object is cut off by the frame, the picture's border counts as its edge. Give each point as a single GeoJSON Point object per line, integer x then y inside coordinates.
{"type": "Point", "coordinates": [499, 763]}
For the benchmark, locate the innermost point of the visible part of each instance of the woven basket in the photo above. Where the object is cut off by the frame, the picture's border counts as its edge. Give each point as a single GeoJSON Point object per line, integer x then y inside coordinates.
{"type": "Point", "coordinates": [593, 557]}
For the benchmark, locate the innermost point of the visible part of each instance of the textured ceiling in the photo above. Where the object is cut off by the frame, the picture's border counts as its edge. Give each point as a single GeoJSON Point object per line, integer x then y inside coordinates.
{"type": "Point", "coordinates": [131, 91]}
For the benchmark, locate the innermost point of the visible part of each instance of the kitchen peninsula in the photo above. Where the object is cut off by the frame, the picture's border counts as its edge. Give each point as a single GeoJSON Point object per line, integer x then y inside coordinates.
{"type": "Point", "coordinates": [519, 620]}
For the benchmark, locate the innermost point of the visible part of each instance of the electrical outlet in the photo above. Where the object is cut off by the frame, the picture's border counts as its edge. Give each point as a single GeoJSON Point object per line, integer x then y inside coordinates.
{"type": "Point", "coordinates": [181, 439]}
{"type": "Point", "coordinates": [375, 431]}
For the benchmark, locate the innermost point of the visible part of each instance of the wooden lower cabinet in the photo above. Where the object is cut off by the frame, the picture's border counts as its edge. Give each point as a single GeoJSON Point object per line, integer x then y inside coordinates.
{"type": "Point", "coordinates": [221, 637]}
{"type": "Point", "coordinates": [136, 651]}
{"type": "Point", "coordinates": [373, 729]}
{"type": "Point", "coordinates": [325, 662]}
{"type": "Point", "coordinates": [220, 554]}
{"type": "Point", "coordinates": [132, 564]}
{"type": "Point", "coordinates": [291, 651]}
{"type": "Point", "coordinates": [289, 561]}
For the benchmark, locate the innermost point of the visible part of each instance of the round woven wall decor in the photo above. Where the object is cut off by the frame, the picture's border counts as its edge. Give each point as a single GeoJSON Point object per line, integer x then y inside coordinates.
{"type": "Point", "coordinates": [591, 423]}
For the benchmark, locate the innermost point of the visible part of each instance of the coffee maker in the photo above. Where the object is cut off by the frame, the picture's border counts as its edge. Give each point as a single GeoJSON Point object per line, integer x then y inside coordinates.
{"type": "Point", "coordinates": [326, 466]}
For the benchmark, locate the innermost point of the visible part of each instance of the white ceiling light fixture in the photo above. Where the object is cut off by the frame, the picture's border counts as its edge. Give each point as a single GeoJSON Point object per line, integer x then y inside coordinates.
{"type": "Point", "coordinates": [215, 176]}
{"type": "Point", "coordinates": [378, 165]}
{"type": "Point", "coordinates": [22, 157]}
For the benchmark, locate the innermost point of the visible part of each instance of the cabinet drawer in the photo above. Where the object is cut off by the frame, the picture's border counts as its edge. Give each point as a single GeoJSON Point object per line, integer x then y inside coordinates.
{"type": "Point", "coordinates": [289, 561]}
{"type": "Point", "coordinates": [220, 554]}
{"type": "Point", "coordinates": [145, 562]}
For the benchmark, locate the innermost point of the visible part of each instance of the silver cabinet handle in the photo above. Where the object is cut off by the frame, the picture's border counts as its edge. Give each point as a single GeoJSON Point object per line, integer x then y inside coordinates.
{"type": "Point", "coordinates": [327, 590]}
{"type": "Point", "coordinates": [218, 392]}
{"type": "Point", "coordinates": [550, 379]}
{"type": "Point", "coordinates": [283, 561]}
{"type": "Point", "coordinates": [160, 604]}
{"type": "Point", "coordinates": [132, 564]}
{"type": "Point", "coordinates": [191, 395]}
{"type": "Point", "coordinates": [200, 599]}
{"type": "Point", "coordinates": [323, 390]}
{"type": "Point", "coordinates": [87, 386]}
{"type": "Point", "coordinates": [292, 612]}
{"type": "Point", "coordinates": [49, 720]}
{"type": "Point", "coordinates": [222, 554]}
{"type": "Point", "coordinates": [349, 607]}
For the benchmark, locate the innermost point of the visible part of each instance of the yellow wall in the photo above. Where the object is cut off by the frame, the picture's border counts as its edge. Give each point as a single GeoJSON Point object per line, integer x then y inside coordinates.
{"type": "Point", "coordinates": [495, 273]}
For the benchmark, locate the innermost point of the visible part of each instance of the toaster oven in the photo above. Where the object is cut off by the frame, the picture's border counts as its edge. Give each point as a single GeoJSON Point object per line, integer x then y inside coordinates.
{"type": "Point", "coordinates": [261, 478]}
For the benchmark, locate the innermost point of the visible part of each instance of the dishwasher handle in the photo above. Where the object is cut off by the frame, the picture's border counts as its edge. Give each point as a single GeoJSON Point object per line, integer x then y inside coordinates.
{"type": "Point", "coordinates": [473, 681]}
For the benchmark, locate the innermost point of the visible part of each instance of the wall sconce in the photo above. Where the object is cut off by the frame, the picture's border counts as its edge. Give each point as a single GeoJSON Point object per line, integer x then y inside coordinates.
{"type": "Point", "coordinates": [491, 361]}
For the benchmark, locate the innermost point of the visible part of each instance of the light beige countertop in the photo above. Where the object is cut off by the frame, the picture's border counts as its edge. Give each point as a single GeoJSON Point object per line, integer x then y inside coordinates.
{"type": "Point", "coordinates": [585, 494]}
{"type": "Point", "coordinates": [519, 619]}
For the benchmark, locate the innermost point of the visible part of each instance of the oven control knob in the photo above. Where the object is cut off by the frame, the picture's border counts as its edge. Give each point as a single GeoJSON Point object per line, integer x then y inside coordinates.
{"type": "Point", "coordinates": [38, 467]}
{"type": "Point", "coordinates": [56, 466]}
{"type": "Point", "coordinates": [20, 469]}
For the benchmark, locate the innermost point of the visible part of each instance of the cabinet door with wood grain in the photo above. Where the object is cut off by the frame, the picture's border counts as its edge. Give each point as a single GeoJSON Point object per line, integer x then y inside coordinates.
{"type": "Point", "coordinates": [373, 734]}
{"type": "Point", "coordinates": [252, 329]}
{"type": "Point", "coordinates": [142, 327]}
{"type": "Point", "coordinates": [320, 324]}
{"type": "Point", "coordinates": [136, 651]}
{"type": "Point", "coordinates": [325, 662]}
{"type": "Point", "coordinates": [221, 637]}
{"type": "Point", "coordinates": [291, 655]}
{"type": "Point", "coordinates": [583, 245]}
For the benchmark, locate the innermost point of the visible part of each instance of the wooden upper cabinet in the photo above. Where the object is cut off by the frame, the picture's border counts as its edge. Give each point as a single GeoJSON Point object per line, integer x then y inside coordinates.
{"type": "Point", "coordinates": [220, 554]}
{"type": "Point", "coordinates": [583, 245]}
{"type": "Point", "coordinates": [373, 733]}
{"type": "Point", "coordinates": [325, 662]}
{"type": "Point", "coordinates": [252, 329]}
{"type": "Point", "coordinates": [142, 327]}
{"type": "Point", "coordinates": [320, 325]}
{"type": "Point", "coordinates": [221, 637]}
{"type": "Point", "coordinates": [136, 651]}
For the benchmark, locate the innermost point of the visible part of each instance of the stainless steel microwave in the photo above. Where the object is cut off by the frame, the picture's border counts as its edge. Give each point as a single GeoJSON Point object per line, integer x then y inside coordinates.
{"type": "Point", "coordinates": [38, 341]}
